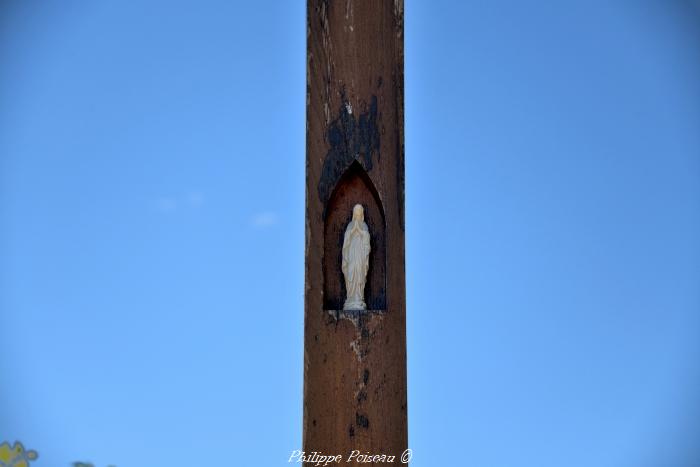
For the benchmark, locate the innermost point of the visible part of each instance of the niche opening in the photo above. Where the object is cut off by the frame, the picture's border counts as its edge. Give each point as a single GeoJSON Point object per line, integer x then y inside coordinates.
{"type": "Point", "coordinates": [354, 187]}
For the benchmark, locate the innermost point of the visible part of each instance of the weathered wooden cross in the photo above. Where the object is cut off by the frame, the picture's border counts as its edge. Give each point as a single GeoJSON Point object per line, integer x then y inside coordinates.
{"type": "Point", "coordinates": [355, 304]}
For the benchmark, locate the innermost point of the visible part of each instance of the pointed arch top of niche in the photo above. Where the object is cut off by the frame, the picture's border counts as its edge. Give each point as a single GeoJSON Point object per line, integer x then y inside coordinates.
{"type": "Point", "coordinates": [354, 170]}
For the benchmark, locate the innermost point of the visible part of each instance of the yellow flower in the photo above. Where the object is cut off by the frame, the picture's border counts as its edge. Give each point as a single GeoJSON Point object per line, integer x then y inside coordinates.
{"type": "Point", "coordinates": [15, 456]}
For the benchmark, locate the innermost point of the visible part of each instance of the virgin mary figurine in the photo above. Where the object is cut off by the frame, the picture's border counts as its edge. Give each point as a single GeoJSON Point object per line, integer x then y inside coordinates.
{"type": "Point", "coordinates": [356, 250]}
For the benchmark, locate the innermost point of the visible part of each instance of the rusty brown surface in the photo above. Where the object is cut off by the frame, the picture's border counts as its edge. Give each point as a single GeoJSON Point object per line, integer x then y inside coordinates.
{"type": "Point", "coordinates": [355, 371]}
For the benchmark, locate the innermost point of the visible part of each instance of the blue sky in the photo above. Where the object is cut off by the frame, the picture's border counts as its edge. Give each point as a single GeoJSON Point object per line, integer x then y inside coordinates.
{"type": "Point", "coordinates": [152, 232]}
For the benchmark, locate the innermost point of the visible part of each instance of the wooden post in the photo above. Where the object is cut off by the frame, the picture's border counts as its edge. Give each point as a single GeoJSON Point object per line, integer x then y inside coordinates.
{"type": "Point", "coordinates": [355, 361]}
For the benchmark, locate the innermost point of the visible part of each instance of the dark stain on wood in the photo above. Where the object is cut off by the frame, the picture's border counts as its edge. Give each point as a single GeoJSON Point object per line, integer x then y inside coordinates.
{"type": "Point", "coordinates": [361, 420]}
{"type": "Point", "coordinates": [351, 138]}
{"type": "Point", "coordinates": [361, 396]}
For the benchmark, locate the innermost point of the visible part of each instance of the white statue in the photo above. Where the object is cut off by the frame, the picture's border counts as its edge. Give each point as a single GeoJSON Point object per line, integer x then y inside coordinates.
{"type": "Point", "coordinates": [356, 259]}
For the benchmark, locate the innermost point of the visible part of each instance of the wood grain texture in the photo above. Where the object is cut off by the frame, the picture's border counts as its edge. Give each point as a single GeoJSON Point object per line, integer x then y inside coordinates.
{"type": "Point", "coordinates": [355, 370]}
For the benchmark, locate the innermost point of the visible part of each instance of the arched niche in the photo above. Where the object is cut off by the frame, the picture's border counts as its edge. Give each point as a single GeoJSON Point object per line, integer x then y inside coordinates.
{"type": "Point", "coordinates": [354, 187]}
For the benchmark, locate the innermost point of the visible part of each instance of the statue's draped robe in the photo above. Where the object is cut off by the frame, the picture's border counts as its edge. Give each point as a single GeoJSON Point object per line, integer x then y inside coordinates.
{"type": "Point", "coordinates": [356, 250]}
